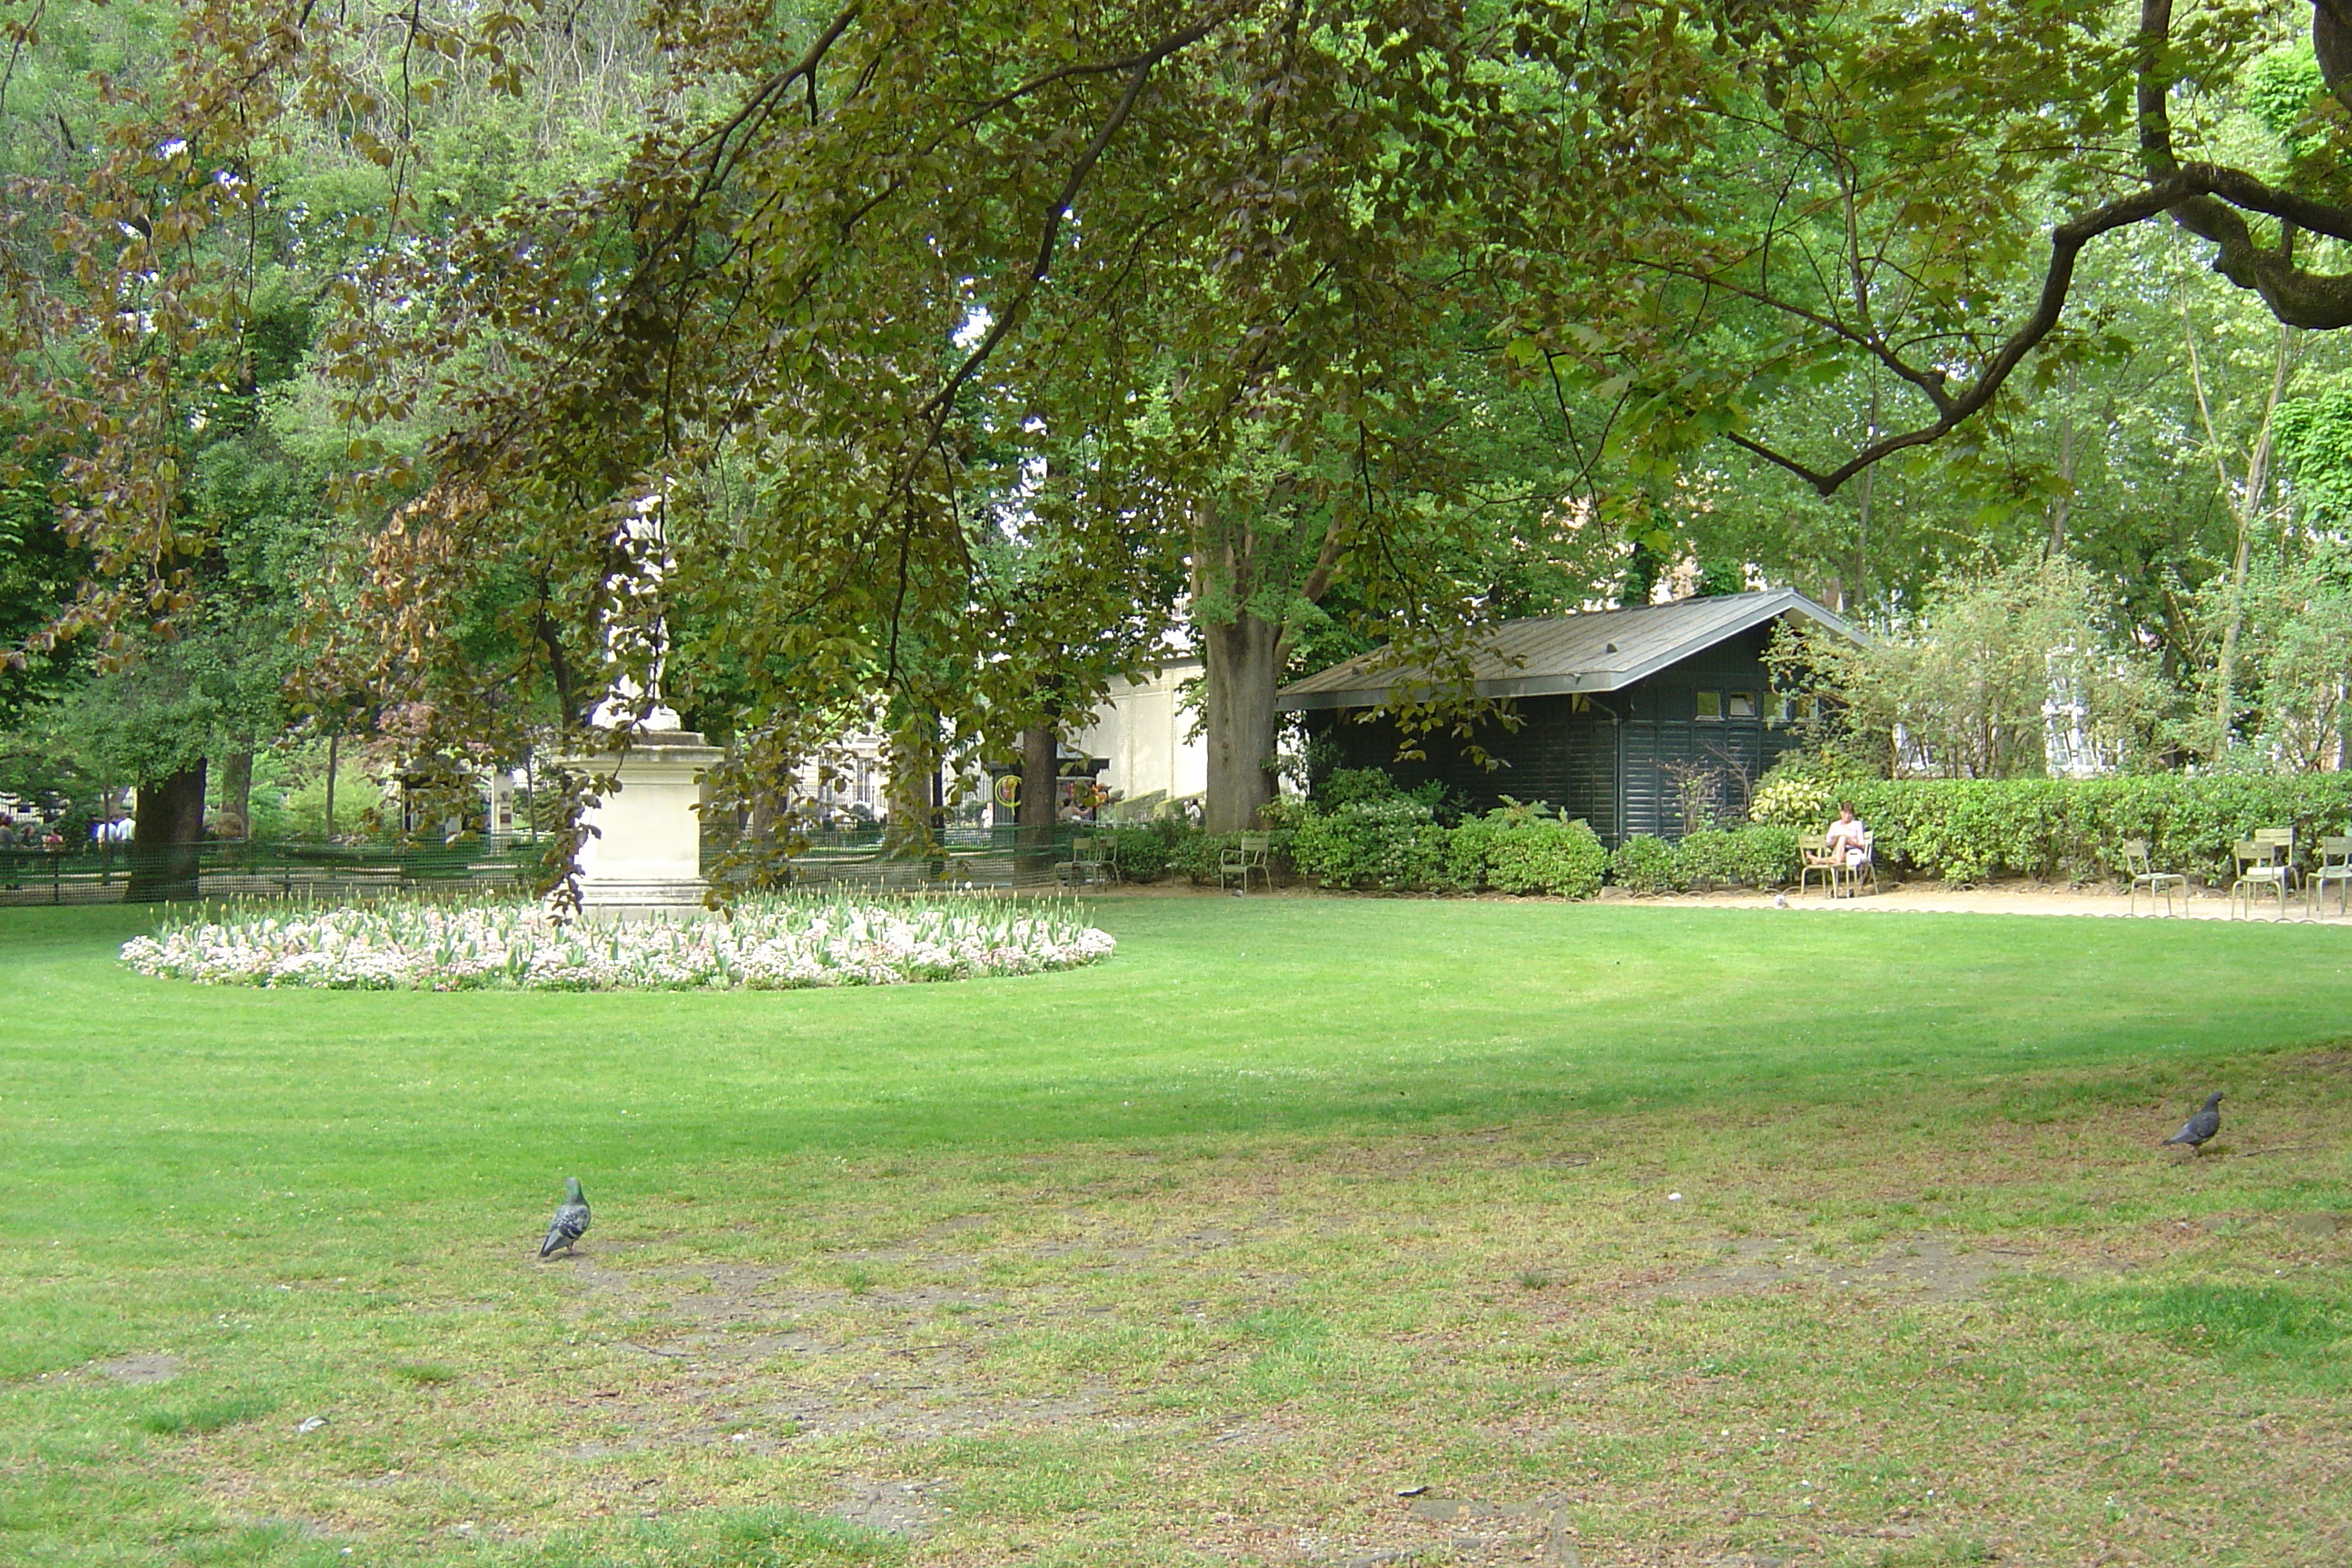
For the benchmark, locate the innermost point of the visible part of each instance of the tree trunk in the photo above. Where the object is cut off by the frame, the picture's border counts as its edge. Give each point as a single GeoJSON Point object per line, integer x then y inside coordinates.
{"type": "Point", "coordinates": [1242, 661]}
{"type": "Point", "coordinates": [2061, 504]}
{"type": "Point", "coordinates": [333, 741]}
{"type": "Point", "coordinates": [2225, 668]}
{"type": "Point", "coordinates": [1869, 489]}
{"type": "Point", "coordinates": [2247, 510]}
{"type": "Point", "coordinates": [237, 795]}
{"type": "Point", "coordinates": [164, 834]}
{"type": "Point", "coordinates": [1033, 816]}
{"type": "Point", "coordinates": [913, 792]}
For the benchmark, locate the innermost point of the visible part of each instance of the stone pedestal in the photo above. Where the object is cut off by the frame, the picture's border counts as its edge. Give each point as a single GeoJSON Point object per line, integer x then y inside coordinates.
{"type": "Point", "coordinates": [648, 851]}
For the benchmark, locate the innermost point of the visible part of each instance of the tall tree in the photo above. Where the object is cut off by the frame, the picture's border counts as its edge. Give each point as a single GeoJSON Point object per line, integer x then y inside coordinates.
{"type": "Point", "coordinates": [1914, 191]}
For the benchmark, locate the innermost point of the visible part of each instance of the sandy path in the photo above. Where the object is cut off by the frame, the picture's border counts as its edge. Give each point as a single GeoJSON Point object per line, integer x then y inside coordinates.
{"type": "Point", "coordinates": [1918, 898]}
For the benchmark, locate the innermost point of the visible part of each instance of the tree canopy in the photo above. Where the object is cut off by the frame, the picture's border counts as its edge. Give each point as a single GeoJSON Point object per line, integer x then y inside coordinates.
{"type": "Point", "coordinates": [958, 354]}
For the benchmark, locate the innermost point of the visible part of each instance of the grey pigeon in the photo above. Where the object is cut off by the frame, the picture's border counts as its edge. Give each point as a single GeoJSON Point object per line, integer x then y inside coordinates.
{"type": "Point", "coordinates": [2202, 1126]}
{"type": "Point", "coordinates": [571, 1221]}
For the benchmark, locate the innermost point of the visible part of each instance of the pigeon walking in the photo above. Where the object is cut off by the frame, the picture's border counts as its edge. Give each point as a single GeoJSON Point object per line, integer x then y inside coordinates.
{"type": "Point", "coordinates": [2200, 1127]}
{"type": "Point", "coordinates": [571, 1221]}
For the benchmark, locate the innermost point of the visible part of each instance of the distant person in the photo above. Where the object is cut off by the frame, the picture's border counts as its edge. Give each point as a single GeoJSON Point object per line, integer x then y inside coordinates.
{"type": "Point", "coordinates": [1849, 838]}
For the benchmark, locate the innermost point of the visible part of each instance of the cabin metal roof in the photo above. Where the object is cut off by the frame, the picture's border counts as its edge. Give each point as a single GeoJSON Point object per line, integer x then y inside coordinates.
{"type": "Point", "coordinates": [1598, 650]}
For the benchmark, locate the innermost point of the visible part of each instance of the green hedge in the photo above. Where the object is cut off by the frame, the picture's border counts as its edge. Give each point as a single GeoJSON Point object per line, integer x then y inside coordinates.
{"type": "Point", "coordinates": [1366, 833]}
{"type": "Point", "coordinates": [1517, 848]}
{"type": "Point", "coordinates": [1643, 864]}
{"type": "Point", "coordinates": [1969, 831]}
{"type": "Point", "coordinates": [1757, 857]}
{"type": "Point", "coordinates": [1148, 851]}
{"type": "Point", "coordinates": [1194, 853]}
{"type": "Point", "coordinates": [1394, 844]}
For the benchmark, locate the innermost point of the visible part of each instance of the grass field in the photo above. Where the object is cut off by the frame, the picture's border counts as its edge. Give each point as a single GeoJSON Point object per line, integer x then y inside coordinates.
{"type": "Point", "coordinates": [1633, 1235]}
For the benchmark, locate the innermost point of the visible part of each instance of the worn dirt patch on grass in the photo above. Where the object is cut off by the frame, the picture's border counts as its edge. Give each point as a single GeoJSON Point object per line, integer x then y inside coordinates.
{"type": "Point", "coordinates": [149, 1368]}
{"type": "Point", "coordinates": [1244, 1352]}
{"type": "Point", "coordinates": [1920, 1268]}
{"type": "Point", "coordinates": [908, 1508]}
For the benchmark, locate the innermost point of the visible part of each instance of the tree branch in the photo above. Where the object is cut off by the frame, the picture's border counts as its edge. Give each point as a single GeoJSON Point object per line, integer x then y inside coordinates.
{"type": "Point", "coordinates": [936, 410]}
{"type": "Point", "coordinates": [2067, 243]}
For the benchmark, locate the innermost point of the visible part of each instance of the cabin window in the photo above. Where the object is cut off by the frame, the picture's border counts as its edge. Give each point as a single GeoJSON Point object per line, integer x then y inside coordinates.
{"type": "Point", "coordinates": [1709, 704]}
{"type": "Point", "coordinates": [1743, 705]}
{"type": "Point", "coordinates": [1796, 710]}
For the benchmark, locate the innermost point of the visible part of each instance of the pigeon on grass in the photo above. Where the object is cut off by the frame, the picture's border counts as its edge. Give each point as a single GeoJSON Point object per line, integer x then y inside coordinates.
{"type": "Point", "coordinates": [2200, 1127]}
{"type": "Point", "coordinates": [571, 1221]}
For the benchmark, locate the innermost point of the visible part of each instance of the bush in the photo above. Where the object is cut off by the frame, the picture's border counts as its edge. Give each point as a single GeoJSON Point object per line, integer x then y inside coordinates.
{"type": "Point", "coordinates": [1393, 843]}
{"type": "Point", "coordinates": [1761, 855]}
{"type": "Point", "coordinates": [1194, 853]}
{"type": "Point", "coordinates": [1148, 852]}
{"type": "Point", "coordinates": [1969, 831]}
{"type": "Point", "coordinates": [1516, 848]}
{"type": "Point", "coordinates": [1643, 864]}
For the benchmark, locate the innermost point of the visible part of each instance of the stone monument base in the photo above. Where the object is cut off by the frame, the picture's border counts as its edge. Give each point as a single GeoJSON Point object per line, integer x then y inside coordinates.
{"type": "Point", "coordinates": [646, 854]}
{"type": "Point", "coordinates": [611, 898]}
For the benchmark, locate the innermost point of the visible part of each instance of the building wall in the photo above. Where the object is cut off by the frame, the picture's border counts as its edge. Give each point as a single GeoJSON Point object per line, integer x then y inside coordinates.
{"type": "Point", "coordinates": [1609, 759]}
{"type": "Point", "coordinates": [1142, 728]}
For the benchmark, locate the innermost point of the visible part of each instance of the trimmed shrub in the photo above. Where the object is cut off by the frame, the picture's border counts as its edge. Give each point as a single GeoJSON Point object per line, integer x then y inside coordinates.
{"type": "Point", "coordinates": [1147, 852]}
{"type": "Point", "coordinates": [1969, 831]}
{"type": "Point", "coordinates": [1643, 864]}
{"type": "Point", "coordinates": [1393, 843]}
{"type": "Point", "coordinates": [1194, 853]}
{"type": "Point", "coordinates": [1516, 848]}
{"type": "Point", "coordinates": [1706, 856]}
{"type": "Point", "coordinates": [1759, 856]}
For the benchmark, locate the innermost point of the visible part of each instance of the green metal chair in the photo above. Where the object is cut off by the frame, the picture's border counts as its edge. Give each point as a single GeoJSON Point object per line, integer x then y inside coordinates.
{"type": "Point", "coordinates": [2283, 840]}
{"type": "Point", "coordinates": [1852, 876]}
{"type": "Point", "coordinates": [2335, 866]}
{"type": "Point", "coordinates": [2159, 884]}
{"type": "Point", "coordinates": [1240, 859]}
{"type": "Point", "coordinates": [1089, 862]}
{"type": "Point", "coordinates": [2261, 873]}
{"type": "Point", "coordinates": [1814, 859]}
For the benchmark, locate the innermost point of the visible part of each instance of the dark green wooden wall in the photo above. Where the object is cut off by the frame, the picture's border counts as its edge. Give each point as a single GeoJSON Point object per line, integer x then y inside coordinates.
{"type": "Point", "coordinates": [1610, 759]}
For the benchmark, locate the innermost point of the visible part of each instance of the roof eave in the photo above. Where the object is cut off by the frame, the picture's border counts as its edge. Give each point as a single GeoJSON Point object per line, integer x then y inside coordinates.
{"type": "Point", "coordinates": [1522, 685]}
{"type": "Point", "coordinates": [1768, 607]}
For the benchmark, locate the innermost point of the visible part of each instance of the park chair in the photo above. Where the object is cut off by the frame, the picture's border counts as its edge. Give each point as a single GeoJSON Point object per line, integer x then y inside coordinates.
{"type": "Point", "coordinates": [2283, 839]}
{"type": "Point", "coordinates": [2159, 884]}
{"type": "Point", "coordinates": [1089, 862]}
{"type": "Point", "coordinates": [1845, 878]}
{"type": "Point", "coordinates": [2260, 873]}
{"type": "Point", "coordinates": [1814, 859]}
{"type": "Point", "coordinates": [1852, 877]}
{"type": "Point", "coordinates": [1249, 854]}
{"type": "Point", "coordinates": [2335, 866]}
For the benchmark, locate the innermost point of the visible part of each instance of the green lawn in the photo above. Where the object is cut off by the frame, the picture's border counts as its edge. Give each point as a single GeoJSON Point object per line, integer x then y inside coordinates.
{"type": "Point", "coordinates": [1204, 1255]}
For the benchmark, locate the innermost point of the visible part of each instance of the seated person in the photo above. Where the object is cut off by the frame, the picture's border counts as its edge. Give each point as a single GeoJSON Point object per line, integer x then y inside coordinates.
{"type": "Point", "coordinates": [1848, 839]}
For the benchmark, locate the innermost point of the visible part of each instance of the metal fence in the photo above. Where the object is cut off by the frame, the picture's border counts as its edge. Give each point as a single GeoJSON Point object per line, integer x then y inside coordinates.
{"type": "Point", "coordinates": [117, 873]}
{"type": "Point", "coordinates": [977, 856]}
{"type": "Point", "coordinates": [851, 858]}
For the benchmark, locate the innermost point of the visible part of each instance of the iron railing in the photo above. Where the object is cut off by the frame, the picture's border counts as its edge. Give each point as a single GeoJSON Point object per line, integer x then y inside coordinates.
{"type": "Point", "coordinates": [116, 873]}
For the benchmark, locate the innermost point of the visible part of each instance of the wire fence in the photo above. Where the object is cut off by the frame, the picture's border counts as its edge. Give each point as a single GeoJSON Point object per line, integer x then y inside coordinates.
{"type": "Point", "coordinates": [967, 855]}
{"type": "Point", "coordinates": [978, 856]}
{"type": "Point", "coordinates": [131, 873]}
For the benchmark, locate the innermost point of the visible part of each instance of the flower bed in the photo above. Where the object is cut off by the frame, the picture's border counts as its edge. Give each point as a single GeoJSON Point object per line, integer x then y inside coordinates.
{"type": "Point", "coordinates": [770, 944]}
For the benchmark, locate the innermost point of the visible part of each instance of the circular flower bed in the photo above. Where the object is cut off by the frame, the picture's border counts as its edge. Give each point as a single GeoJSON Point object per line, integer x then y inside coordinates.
{"type": "Point", "coordinates": [770, 944]}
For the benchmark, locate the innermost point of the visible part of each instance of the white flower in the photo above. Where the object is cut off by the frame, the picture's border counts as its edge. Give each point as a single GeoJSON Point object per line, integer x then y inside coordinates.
{"type": "Point", "coordinates": [772, 944]}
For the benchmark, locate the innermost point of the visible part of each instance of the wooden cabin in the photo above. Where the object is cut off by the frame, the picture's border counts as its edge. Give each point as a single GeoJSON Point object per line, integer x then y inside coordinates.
{"type": "Point", "coordinates": [1621, 712]}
